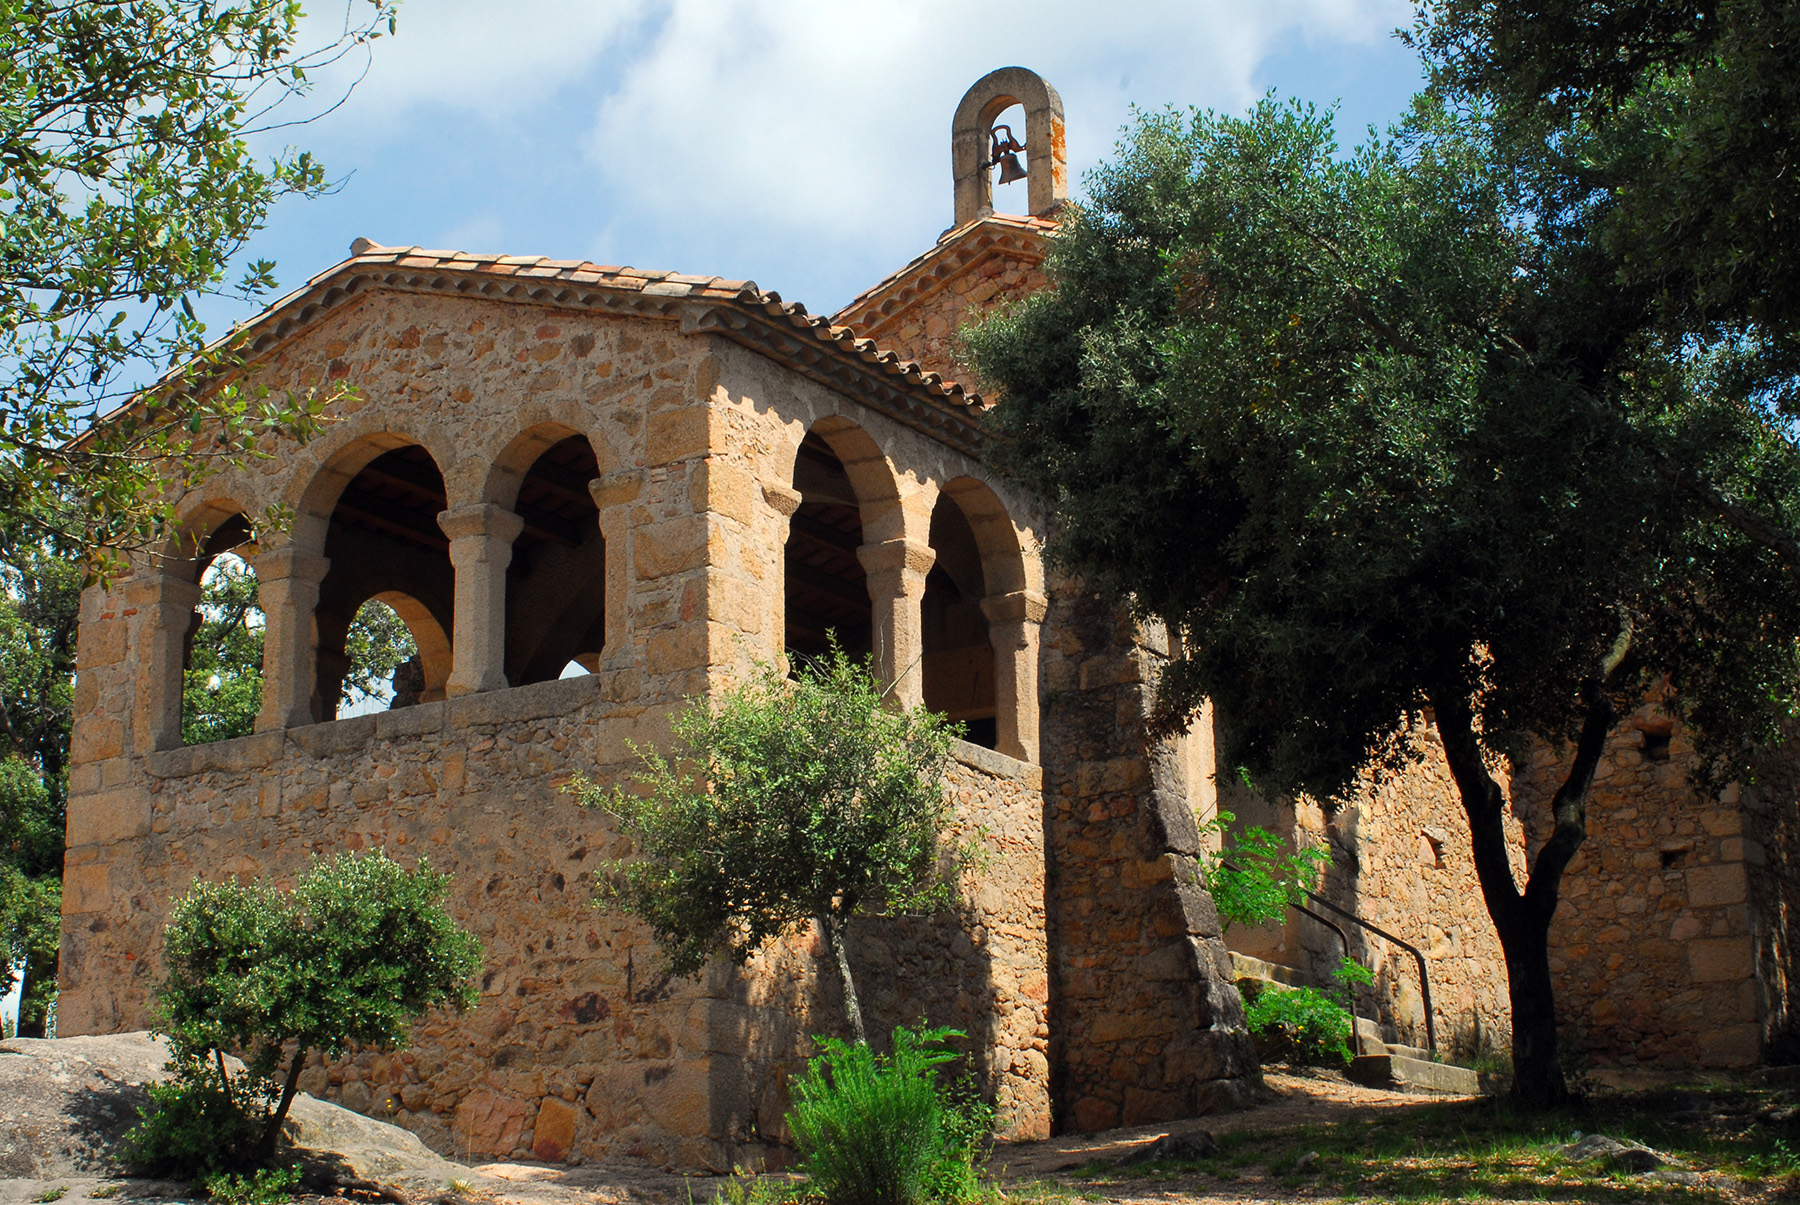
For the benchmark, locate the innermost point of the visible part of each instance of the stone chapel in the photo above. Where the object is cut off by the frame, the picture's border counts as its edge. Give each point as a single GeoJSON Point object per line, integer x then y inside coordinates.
{"type": "Point", "coordinates": [661, 477]}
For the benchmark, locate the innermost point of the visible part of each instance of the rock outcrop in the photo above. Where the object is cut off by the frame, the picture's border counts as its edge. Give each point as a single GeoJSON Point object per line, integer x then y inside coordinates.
{"type": "Point", "coordinates": [67, 1103]}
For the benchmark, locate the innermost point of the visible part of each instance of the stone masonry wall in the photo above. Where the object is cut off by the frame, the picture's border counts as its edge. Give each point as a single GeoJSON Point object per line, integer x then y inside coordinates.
{"type": "Point", "coordinates": [1149, 1027]}
{"type": "Point", "coordinates": [1652, 944]}
{"type": "Point", "coordinates": [580, 1046]}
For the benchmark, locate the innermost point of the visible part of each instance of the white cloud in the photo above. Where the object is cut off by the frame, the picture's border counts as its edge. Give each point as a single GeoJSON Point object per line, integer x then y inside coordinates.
{"type": "Point", "coordinates": [477, 57]}
{"type": "Point", "coordinates": [805, 145]}
{"type": "Point", "coordinates": [836, 119]}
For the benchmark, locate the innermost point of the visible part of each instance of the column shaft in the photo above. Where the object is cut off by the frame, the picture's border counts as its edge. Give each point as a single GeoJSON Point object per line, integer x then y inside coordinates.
{"type": "Point", "coordinates": [287, 588]}
{"type": "Point", "coordinates": [167, 614]}
{"type": "Point", "coordinates": [481, 538]}
{"type": "Point", "coordinates": [1014, 623]}
{"type": "Point", "coordinates": [897, 570]}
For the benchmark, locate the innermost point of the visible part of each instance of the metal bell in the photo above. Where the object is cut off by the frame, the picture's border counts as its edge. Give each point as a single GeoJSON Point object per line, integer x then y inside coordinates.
{"type": "Point", "coordinates": [1003, 153]}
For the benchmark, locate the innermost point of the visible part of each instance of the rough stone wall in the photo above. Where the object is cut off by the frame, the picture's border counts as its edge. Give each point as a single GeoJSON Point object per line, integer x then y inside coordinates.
{"type": "Point", "coordinates": [1652, 944]}
{"type": "Point", "coordinates": [974, 269]}
{"type": "Point", "coordinates": [1148, 1026]}
{"type": "Point", "coordinates": [580, 1046]}
{"type": "Point", "coordinates": [1400, 860]}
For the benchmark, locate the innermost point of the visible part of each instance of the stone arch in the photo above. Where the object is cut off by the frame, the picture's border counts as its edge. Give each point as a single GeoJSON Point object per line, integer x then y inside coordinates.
{"type": "Point", "coordinates": [207, 525]}
{"type": "Point", "coordinates": [507, 466]}
{"type": "Point", "coordinates": [873, 479]}
{"type": "Point", "coordinates": [1003, 559]}
{"type": "Point", "coordinates": [343, 452]}
{"type": "Point", "coordinates": [1046, 159]}
{"type": "Point", "coordinates": [557, 590]}
{"type": "Point", "coordinates": [366, 523]}
{"type": "Point", "coordinates": [430, 637]}
{"type": "Point", "coordinates": [1012, 608]}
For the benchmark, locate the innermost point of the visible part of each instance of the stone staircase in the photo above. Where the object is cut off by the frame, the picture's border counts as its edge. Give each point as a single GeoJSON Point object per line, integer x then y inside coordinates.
{"type": "Point", "coordinates": [1376, 1064]}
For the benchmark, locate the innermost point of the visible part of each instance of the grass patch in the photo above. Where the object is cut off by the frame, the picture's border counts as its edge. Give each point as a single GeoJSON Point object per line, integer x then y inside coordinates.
{"type": "Point", "coordinates": [1741, 1142]}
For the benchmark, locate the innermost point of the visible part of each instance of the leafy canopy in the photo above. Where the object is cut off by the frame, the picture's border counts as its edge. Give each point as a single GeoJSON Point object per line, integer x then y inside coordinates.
{"type": "Point", "coordinates": [785, 801]}
{"type": "Point", "coordinates": [1358, 432]}
{"type": "Point", "coordinates": [1664, 132]}
{"type": "Point", "coordinates": [126, 188]}
{"type": "Point", "coordinates": [1378, 433]}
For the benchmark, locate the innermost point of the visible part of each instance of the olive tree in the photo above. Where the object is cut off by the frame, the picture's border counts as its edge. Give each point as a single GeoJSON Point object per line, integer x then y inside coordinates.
{"type": "Point", "coordinates": [356, 949]}
{"type": "Point", "coordinates": [784, 801]}
{"type": "Point", "coordinates": [1376, 443]}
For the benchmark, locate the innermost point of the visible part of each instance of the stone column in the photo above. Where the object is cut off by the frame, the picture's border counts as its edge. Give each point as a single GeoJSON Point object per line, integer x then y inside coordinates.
{"type": "Point", "coordinates": [784, 501]}
{"type": "Point", "coordinates": [1013, 624]}
{"type": "Point", "coordinates": [287, 587]}
{"type": "Point", "coordinates": [613, 497]}
{"type": "Point", "coordinates": [897, 570]}
{"type": "Point", "coordinates": [166, 609]}
{"type": "Point", "coordinates": [481, 537]}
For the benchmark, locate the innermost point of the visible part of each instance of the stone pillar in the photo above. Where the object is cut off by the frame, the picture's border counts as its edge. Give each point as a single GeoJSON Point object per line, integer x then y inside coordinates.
{"type": "Point", "coordinates": [166, 611]}
{"type": "Point", "coordinates": [897, 570]}
{"type": "Point", "coordinates": [784, 501]}
{"type": "Point", "coordinates": [1013, 623]}
{"type": "Point", "coordinates": [481, 537]}
{"type": "Point", "coordinates": [613, 496]}
{"type": "Point", "coordinates": [287, 587]}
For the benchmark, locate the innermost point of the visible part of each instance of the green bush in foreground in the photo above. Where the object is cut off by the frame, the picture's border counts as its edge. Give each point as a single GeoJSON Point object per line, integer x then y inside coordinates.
{"type": "Point", "coordinates": [266, 1186]}
{"type": "Point", "coordinates": [1313, 1026]}
{"type": "Point", "coordinates": [358, 948]}
{"type": "Point", "coordinates": [882, 1130]}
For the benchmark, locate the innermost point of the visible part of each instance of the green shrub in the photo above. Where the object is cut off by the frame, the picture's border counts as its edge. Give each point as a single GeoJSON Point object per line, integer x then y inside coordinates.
{"type": "Point", "coordinates": [356, 949]}
{"type": "Point", "coordinates": [197, 1123]}
{"type": "Point", "coordinates": [882, 1130]}
{"type": "Point", "coordinates": [266, 1186]}
{"type": "Point", "coordinates": [1254, 878]}
{"type": "Point", "coordinates": [1308, 1024]}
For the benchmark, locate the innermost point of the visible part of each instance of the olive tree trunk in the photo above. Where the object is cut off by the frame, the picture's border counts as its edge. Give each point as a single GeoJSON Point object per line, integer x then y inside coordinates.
{"type": "Point", "coordinates": [833, 924]}
{"type": "Point", "coordinates": [1522, 918]}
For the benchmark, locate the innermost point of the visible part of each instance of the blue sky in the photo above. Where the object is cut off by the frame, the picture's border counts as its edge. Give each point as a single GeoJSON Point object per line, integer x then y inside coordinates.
{"type": "Point", "coordinates": [802, 145]}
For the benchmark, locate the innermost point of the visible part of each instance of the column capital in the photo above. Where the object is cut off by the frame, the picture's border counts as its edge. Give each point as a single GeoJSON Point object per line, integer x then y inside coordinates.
{"type": "Point", "coordinates": [897, 556]}
{"type": "Point", "coordinates": [289, 563]}
{"type": "Point", "coordinates": [783, 500]}
{"type": "Point", "coordinates": [1018, 606]}
{"type": "Point", "coordinates": [480, 520]}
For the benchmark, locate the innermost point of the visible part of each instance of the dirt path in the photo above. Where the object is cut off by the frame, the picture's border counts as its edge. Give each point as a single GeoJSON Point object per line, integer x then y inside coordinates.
{"type": "Point", "coordinates": [1295, 1100]}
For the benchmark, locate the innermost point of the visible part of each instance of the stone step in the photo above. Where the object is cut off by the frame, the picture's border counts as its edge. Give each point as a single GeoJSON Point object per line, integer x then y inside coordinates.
{"type": "Point", "coordinates": [1400, 1071]}
{"type": "Point", "coordinates": [1368, 1037]}
{"type": "Point", "coordinates": [1243, 966]}
{"type": "Point", "coordinates": [1412, 1052]}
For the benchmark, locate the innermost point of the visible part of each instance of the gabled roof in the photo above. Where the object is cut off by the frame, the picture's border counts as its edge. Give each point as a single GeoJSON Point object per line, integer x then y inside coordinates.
{"type": "Point", "coordinates": [810, 344]}
{"type": "Point", "coordinates": [956, 252]}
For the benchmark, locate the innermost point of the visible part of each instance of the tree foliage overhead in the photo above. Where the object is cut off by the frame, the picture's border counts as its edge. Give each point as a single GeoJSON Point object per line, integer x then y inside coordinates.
{"type": "Point", "coordinates": [126, 188]}
{"type": "Point", "coordinates": [1667, 133]}
{"type": "Point", "coordinates": [1375, 440]}
{"type": "Point", "coordinates": [784, 801]}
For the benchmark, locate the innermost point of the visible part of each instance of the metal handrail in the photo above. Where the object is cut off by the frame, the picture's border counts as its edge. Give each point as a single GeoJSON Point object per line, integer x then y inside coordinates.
{"type": "Point", "coordinates": [1424, 976]}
